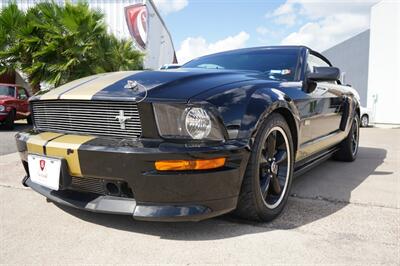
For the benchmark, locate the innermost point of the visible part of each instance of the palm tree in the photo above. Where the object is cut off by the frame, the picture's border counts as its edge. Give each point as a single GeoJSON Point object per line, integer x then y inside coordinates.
{"type": "Point", "coordinates": [71, 34]}
{"type": "Point", "coordinates": [58, 44]}
{"type": "Point", "coordinates": [11, 21]}
{"type": "Point", "coordinates": [118, 55]}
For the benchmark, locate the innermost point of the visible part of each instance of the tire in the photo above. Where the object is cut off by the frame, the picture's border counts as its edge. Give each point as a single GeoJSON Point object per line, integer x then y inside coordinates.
{"type": "Point", "coordinates": [253, 204]}
{"type": "Point", "coordinates": [9, 123]}
{"type": "Point", "coordinates": [364, 121]}
{"type": "Point", "coordinates": [349, 146]}
{"type": "Point", "coordinates": [29, 120]}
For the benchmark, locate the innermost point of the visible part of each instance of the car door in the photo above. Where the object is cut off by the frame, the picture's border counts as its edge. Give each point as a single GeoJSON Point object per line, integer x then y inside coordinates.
{"type": "Point", "coordinates": [320, 111]}
{"type": "Point", "coordinates": [326, 107]}
{"type": "Point", "coordinates": [23, 105]}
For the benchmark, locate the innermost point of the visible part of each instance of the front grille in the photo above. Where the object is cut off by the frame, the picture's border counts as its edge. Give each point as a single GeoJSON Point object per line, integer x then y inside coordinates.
{"type": "Point", "coordinates": [88, 184]}
{"type": "Point", "coordinates": [96, 118]}
{"type": "Point", "coordinates": [100, 186]}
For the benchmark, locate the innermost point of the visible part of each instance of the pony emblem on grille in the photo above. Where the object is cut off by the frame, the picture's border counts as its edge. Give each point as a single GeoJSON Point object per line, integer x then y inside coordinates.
{"type": "Point", "coordinates": [122, 118]}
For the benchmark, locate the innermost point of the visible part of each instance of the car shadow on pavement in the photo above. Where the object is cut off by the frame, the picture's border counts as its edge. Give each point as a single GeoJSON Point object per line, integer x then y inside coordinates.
{"type": "Point", "coordinates": [317, 194]}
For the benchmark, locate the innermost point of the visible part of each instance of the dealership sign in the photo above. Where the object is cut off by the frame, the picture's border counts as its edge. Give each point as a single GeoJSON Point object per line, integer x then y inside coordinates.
{"type": "Point", "coordinates": [150, 34]}
{"type": "Point", "coordinates": [136, 19]}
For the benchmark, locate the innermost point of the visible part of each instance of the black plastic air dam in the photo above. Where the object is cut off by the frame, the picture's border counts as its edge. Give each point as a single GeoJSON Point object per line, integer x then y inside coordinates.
{"type": "Point", "coordinates": [127, 206]}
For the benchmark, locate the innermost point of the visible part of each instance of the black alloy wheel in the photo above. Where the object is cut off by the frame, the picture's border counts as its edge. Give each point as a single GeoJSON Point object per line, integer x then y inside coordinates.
{"type": "Point", "coordinates": [355, 132]}
{"type": "Point", "coordinates": [348, 148]}
{"type": "Point", "coordinates": [268, 177]}
{"type": "Point", "coordinates": [274, 167]}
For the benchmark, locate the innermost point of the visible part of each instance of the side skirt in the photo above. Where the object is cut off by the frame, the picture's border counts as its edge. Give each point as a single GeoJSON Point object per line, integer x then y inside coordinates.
{"type": "Point", "coordinates": [314, 161]}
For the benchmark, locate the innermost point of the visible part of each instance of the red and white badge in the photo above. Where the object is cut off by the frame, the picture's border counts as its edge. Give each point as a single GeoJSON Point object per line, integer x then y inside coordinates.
{"type": "Point", "coordinates": [42, 164]}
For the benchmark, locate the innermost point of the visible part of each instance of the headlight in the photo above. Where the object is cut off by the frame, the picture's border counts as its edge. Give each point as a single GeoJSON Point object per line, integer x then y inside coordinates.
{"type": "Point", "coordinates": [179, 121]}
{"type": "Point", "coordinates": [2, 108]}
{"type": "Point", "coordinates": [197, 123]}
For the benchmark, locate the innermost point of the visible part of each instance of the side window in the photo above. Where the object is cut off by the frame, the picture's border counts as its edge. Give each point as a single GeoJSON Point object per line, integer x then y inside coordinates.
{"type": "Point", "coordinates": [22, 95]}
{"type": "Point", "coordinates": [314, 61]}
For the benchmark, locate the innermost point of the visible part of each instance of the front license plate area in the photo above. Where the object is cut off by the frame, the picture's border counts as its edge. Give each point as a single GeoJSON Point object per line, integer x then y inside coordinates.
{"type": "Point", "coordinates": [45, 171]}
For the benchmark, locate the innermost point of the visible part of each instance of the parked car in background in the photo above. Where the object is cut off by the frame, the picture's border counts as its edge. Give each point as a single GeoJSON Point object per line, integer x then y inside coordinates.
{"type": "Point", "coordinates": [225, 132]}
{"type": "Point", "coordinates": [13, 104]}
{"type": "Point", "coordinates": [170, 66]}
{"type": "Point", "coordinates": [366, 115]}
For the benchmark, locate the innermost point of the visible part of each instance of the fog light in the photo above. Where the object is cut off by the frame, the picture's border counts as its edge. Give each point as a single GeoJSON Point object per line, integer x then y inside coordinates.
{"type": "Point", "coordinates": [185, 165]}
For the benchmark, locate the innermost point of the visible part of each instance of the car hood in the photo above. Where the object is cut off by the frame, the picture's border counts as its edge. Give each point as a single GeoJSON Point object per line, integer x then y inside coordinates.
{"type": "Point", "coordinates": [5, 98]}
{"type": "Point", "coordinates": [177, 84]}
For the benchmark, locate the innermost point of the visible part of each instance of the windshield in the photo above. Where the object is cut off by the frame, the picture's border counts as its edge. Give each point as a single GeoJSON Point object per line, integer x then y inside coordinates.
{"type": "Point", "coordinates": [7, 90]}
{"type": "Point", "coordinates": [277, 64]}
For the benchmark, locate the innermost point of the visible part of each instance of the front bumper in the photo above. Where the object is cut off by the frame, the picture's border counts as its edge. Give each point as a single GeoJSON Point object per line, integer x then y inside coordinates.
{"type": "Point", "coordinates": [161, 196]}
{"type": "Point", "coordinates": [3, 116]}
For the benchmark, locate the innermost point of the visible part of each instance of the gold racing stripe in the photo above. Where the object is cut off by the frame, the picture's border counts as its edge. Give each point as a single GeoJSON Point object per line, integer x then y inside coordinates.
{"type": "Point", "coordinates": [55, 93]}
{"type": "Point", "coordinates": [87, 90]}
{"type": "Point", "coordinates": [36, 143]}
{"type": "Point", "coordinates": [67, 147]}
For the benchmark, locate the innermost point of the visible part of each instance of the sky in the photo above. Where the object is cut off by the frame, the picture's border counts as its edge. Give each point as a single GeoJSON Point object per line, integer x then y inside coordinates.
{"type": "Point", "coordinates": [200, 27]}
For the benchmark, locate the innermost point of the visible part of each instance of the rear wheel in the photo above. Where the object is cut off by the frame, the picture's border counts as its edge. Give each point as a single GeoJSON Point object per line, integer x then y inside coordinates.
{"type": "Point", "coordinates": [349, 146]}
{"type": "Point", "coordinates": [9, 123]}
{"type": "Point", "coordinates": [268, 178]}
{"type": "Point", "coordinates": [364, 121]}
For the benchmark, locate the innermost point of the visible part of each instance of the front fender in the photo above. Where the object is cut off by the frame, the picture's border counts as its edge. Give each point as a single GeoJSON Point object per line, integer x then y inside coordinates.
{"type": "Point", "coordinates": [10, 105]}
{"type": "Point", "coordinates": [244, 106]}
{"type": "Point", "coordinates": [262, 103]}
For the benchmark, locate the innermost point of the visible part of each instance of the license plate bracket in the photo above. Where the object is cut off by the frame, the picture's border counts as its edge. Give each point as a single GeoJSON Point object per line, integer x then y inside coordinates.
{"type": "Point", "coordinates": [64, 178]}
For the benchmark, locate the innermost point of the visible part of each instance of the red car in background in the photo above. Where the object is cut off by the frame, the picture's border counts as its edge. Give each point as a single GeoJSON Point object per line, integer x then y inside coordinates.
{"type": "Point", "coordinates": [13, 104]}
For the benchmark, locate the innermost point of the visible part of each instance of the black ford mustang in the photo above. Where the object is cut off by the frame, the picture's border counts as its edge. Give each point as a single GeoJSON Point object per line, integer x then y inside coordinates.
{"type": "Point", "coordinates": [225, 132]}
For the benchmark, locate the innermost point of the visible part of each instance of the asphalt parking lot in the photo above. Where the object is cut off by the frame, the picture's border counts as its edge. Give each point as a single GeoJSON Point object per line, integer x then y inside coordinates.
{"type": "Point", "coordinates": [7, 143]}
{"type": "Point", "coordinates": [339, 213]}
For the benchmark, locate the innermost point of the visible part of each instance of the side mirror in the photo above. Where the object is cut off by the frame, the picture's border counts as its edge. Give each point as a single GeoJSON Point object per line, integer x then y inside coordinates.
{"type": "Point", "coordinates": [324, 74]}
{"type": "Point", "coordinates": [343, 77]}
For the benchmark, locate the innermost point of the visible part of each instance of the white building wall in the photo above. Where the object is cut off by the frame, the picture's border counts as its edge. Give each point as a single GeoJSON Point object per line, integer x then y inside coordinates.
{"type": "Point", "coordinates": [114, 15]}
{"type": "Point", "coordinates": [355, 71]}
{"type": "Point", "coordinates": [384, 62]}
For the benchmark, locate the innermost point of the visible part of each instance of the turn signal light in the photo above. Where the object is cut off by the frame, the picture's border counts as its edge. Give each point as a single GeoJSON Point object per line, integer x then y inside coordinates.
{"type": "Point", "coordinates": [185, 165]}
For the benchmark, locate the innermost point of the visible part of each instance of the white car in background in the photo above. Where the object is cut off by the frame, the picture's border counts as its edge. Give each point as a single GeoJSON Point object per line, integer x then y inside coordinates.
{"type": "Point", "coordinates": [366, 115]}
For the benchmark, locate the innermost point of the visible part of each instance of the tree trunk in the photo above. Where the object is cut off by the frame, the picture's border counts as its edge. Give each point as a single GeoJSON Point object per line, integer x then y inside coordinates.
{"type": "Point", "coordinates": [35, 86]}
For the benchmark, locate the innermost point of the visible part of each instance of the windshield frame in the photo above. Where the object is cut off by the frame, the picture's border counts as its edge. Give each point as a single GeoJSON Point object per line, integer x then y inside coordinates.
{"type": "Point", "coordinates": [297, 64]}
